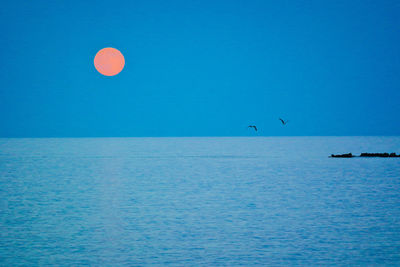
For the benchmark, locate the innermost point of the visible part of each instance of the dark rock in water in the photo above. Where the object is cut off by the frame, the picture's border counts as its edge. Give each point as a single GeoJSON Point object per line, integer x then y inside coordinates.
{"type": "Point", "coordinates": [367, 155]}
{"type": "Point", "coordinates": [348, 155]}
{"type": "Point", "coordinates": [380, 155]}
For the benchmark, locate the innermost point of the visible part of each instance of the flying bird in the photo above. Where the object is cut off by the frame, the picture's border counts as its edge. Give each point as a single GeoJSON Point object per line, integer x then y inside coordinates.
{"type": "Point", "coordinates": [253, 126]}
{"type": "Point", "coordinates": [283, 122]}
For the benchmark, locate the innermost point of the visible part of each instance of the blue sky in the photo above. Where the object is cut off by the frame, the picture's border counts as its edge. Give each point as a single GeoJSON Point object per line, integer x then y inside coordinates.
{"type": "Point", "coordinates": [200, 68]}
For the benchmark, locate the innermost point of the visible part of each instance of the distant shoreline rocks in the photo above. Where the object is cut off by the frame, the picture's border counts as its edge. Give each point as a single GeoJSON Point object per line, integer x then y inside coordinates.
{"type": "Point", "coordinates": [366, 155]}
{"type": "Point", "coordinates": [348, 155]}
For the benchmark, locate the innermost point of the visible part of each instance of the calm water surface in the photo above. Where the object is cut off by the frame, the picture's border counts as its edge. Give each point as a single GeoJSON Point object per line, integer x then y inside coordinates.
{"type": "Point", "coordinates": [199, 202]}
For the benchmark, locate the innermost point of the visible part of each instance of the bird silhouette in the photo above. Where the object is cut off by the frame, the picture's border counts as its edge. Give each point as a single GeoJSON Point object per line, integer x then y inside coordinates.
{"type": "Point", "coordinates": [253, 126]}
{"type": "Point", "coordinates": [283, 122]}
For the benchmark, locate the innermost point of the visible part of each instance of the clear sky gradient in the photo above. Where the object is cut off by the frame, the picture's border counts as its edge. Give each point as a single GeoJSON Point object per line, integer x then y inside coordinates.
{"type": "Point", "coordinates": [200, 68]}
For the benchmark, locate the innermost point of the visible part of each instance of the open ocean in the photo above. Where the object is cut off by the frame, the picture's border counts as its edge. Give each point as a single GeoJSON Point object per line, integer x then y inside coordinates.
{"type": "Point", "coordinates": [199, 201]}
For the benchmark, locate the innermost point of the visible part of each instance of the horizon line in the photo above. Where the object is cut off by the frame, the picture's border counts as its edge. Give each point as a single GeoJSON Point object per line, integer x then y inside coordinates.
{"type": "Point", "coordinates": [199, 136]}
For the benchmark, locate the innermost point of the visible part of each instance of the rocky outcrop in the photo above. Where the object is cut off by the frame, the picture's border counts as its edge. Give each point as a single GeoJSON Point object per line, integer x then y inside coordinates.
{"type": "Point", "coordinates": [348, 155]}
{"type": "Point", "coordinates": [380, 155]}
{"type": "Point", "coordinates": [367, 155]}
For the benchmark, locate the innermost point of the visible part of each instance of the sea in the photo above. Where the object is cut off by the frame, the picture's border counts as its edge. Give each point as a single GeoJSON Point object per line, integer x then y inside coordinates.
{"type": "Point", "coordinates": [199, 201]}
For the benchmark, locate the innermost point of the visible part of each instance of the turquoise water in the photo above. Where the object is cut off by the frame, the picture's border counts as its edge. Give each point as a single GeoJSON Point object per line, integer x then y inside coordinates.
{"type": "Point", "coordinates": [199, 201]}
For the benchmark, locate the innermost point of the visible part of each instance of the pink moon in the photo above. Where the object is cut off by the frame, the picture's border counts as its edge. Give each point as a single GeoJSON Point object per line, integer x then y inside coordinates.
{"type": "Point", "coordinates": [109, 61]}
